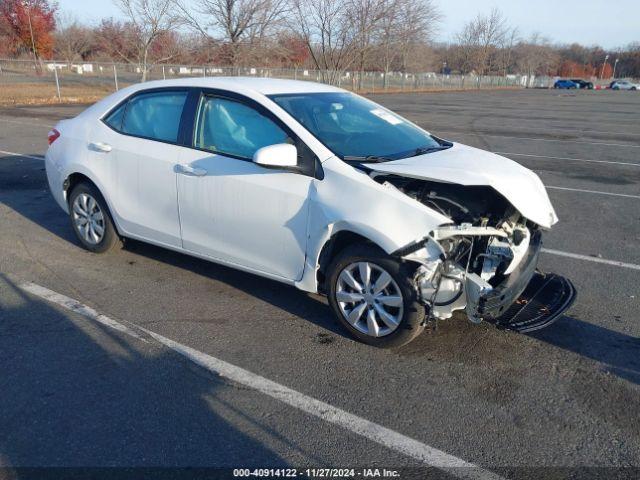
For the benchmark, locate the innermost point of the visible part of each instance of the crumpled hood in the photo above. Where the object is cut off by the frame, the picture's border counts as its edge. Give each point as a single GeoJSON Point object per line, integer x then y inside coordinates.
{"type": "Point", "coordinates": [471, 166]}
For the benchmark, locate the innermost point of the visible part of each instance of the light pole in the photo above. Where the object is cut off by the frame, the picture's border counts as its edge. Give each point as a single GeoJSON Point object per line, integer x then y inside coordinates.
{"type": "Point", "coordinates": [606, 57]}
{"type": "Point", "coordinates": [615, 64]}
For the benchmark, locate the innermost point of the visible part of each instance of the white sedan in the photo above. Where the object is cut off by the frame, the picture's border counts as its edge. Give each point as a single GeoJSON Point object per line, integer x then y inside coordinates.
{"type": "Point", "coordinates": [316, 187]}
{"type": "Point", "coordinates": [624, 85]}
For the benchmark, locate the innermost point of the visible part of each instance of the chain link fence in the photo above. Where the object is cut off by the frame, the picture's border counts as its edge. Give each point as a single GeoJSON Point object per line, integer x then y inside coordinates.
{"type": "Point", "coordinates": [26, 80]}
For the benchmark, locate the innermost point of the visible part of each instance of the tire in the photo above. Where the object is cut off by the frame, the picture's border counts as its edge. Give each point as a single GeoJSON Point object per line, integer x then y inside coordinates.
{"type": "Point", "coordinates": [100, 235]}
{"type": "Point", "coordinates": [407, 310]}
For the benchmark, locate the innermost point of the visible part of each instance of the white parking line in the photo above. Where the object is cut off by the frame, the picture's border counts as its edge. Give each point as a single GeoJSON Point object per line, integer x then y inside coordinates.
{"type": "Point", "coordinates": [77, 307]}
{"type": "Point", "coordinates": [577, 256]}
{"type": "Point", "coordinates": [540, 139]}
{"type": "Point", "coordinates": [372, 431]}
{"type": "Point", "coordinates": [21, 155]}
{"type": "Point", "coordinates": [596, 192]}
{"type": "Point", "coordinates": [570, 159]}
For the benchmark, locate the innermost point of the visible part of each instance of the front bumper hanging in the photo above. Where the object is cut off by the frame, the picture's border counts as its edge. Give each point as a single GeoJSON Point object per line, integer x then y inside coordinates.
{"type": "Point", "coordinates": [528, 300]}
{"type": "Point", "coordinates": [544, 300]}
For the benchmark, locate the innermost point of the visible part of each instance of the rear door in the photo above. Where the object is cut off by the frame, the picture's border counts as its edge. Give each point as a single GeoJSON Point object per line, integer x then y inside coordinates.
{"type": "Point", "coordinates": [142, 154]}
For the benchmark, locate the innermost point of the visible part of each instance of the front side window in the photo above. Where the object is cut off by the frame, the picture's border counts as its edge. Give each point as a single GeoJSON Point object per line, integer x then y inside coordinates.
{"type": "Point", "coordinates": [229, 127]}
{"type": "Point", "coordinates": [354, 127]}
{"type": "Point", "coordinates": [154, 115]}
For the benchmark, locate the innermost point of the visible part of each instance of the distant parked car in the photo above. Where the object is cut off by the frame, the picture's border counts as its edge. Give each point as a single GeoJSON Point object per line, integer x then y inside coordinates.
{"type": "Point", "coordinates": [565, 84]}
{"type": "Point", "coordinates": [582, 84]}
{"type": "Point", "coordinates": [623, 85]}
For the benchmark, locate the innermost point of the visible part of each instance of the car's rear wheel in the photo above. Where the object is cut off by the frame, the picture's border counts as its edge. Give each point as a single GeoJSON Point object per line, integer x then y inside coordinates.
{"type": "Point", "coordinates": [91, 220]}
{"type": "Point", "coordinates": [372, 295]}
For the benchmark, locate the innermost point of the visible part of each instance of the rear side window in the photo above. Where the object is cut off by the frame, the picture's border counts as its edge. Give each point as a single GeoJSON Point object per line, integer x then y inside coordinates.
{"type": "Point", "coordinates": [153, 115]}
{"type": "Point", "coordinates": [233, 128]}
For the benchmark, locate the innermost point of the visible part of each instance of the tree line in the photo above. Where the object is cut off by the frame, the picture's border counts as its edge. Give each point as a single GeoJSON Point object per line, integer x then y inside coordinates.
{"type": "Point", "coordinates": [328, 35]}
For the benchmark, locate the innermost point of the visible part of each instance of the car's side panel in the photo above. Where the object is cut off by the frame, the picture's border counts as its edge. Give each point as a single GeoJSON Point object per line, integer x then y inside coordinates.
{"type": "Point", "coordinates": [350, 200]}
{"type": "Point", "coordinates": [67, 155]}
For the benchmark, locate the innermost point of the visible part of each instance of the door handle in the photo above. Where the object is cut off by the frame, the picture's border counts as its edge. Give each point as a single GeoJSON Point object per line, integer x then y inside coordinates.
{"type": "Point", "coordinates": [190, 171]}
{"type": "Point", "coordinates": [100, 147]}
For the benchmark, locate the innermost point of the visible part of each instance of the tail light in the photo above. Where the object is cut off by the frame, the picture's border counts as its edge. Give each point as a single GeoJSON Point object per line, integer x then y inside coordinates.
{"type": "Point", "coordinates": [53, 135]}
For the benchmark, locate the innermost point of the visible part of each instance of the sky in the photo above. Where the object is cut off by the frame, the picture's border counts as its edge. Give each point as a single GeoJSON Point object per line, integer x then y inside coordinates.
{"type": "Point", "coordinates": [608, 23]}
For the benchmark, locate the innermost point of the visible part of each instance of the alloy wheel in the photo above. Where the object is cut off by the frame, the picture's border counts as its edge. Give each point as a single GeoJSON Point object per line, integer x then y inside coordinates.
{"type": "Point", "coordinates": [88, 218]}
{"type": "Point", "coordinates": [369, 299]}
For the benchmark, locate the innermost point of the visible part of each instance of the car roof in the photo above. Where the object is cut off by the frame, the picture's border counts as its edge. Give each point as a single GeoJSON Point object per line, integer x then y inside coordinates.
{"type": "Point", "coordinates": [264, 86]}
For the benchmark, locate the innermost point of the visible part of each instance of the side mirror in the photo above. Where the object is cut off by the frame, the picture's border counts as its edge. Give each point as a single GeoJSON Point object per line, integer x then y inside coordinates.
{"type": "Point", "coordinates": [280, 155]}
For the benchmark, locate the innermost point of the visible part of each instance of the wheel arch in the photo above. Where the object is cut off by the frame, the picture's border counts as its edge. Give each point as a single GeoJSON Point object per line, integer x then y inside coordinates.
{"type": "Point", "coordinates": [76, 177]}
{"type": "Point", "coordinates": [332, 247]}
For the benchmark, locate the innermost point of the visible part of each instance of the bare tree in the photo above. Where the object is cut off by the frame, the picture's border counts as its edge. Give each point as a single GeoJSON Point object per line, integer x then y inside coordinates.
{"type": "Point", "coordinates": [389, 37]}
{"type": "Point", "coordinates": [479, 39]}
{"type": "Point", "coordinates": [150, 19]}
{"type": "Point", "coordinates": [505, 54]}
{"type": "Point", "coordinates": [406, 27]}
{"type": "Point", "coordinates": [365, 18]}
{"type": "Point", "coordinates": [72, 40]}
{"type": "Point", "coordinates": [420, 19]}
{"type": "Point", "coordinates": [326, 28]}
{"type": "Point", "coordinates": [535, 56]}
{"type": "Point", "coordinates": [236, 23]}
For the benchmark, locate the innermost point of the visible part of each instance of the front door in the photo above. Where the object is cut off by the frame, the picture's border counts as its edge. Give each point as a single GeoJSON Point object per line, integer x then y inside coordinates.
{"type": "Point", "coordinates": [233, 209]}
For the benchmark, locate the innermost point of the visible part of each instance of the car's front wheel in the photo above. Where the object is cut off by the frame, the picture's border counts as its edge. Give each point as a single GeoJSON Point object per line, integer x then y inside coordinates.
{"type": "Point", "coordinates": [90, 219]}
{"type": "Point", "coordinates": [372, 295]}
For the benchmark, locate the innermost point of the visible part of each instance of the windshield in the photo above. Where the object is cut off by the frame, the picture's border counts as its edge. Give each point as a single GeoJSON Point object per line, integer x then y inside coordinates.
{"type": "Point", "coordinates": [355, 128]}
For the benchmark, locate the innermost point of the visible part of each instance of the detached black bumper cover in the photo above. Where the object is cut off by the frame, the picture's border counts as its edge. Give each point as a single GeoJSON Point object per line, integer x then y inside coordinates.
{"type": "Point", "coordinates": [544, 300]}
{"type": "Point", "coordinates": [528, 300]}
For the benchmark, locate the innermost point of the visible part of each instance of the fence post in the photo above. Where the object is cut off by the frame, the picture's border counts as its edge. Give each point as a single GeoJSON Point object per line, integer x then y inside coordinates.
{"type": "Point", "coordinates": [164, 77]}
{"type": "Point", "coordinates": [55, 73]}
{"type": "Point", "coordinates": [115, 76]}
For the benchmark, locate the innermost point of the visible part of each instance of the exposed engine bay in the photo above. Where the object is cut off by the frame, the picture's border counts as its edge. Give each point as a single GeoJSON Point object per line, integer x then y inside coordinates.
{"type": "Point", "coordinates": [477, 205]}
{"type": "Point", "coordinates": [488, 253]}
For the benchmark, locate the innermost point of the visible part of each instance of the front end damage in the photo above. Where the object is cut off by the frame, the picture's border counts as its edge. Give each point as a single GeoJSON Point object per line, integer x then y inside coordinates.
{"type": "Point", "coordinates": [488, 259]}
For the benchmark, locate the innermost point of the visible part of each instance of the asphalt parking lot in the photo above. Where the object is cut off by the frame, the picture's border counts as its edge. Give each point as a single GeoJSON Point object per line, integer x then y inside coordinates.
{"type": "Point", "coordinates": [77, 392]}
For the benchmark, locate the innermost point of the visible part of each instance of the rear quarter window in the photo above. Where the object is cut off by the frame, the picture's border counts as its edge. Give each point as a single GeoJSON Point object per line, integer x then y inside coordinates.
{"type": "Point", "coordinates": [114, 119]}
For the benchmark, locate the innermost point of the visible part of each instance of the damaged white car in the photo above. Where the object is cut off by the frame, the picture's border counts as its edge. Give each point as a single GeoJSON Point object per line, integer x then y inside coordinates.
{"type": "Point", "coordinates": [316, 187]}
